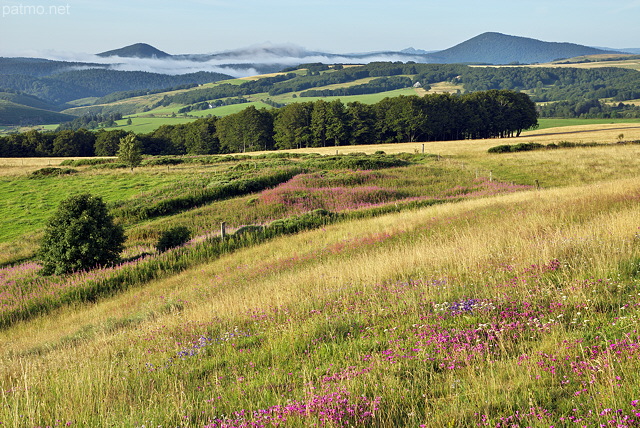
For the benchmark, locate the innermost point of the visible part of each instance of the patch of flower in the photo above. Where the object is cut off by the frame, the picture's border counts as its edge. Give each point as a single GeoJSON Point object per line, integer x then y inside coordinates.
{"type": "Point", "coordinates": [333, 409]}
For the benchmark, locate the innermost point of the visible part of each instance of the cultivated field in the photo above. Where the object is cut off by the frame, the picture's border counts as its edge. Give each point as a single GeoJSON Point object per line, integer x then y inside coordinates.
{"type": "Point", "coordinates": [431, 290]}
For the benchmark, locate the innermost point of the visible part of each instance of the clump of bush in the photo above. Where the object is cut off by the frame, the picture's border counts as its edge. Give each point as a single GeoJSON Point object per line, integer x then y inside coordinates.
{"type": "Point", "coordinates": [311, 220]}
{"type": "Point", "coordinates": [162, 161]}
{"type": "Point", "coordinates": [87, 162]}
{"type": "Point", "coordinates": [172, 238]}
{"type": "Point", "coordinates": [110, 165]}
{"type": "Point", "coordinates": [521, 147]}
{"type": "Point", "coordinates": [356, 161]}
{"type": "Point", "coordinates": [52, 172]}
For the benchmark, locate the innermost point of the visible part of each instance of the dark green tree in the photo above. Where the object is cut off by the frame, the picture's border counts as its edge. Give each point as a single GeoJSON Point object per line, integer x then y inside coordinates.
{"type": "Point", "coordinates": [336, 122]}
{"type": "Point", "coordinates": [292, 126]}
{"type": "Point", "coordinates": [319, 123]}
{"type": "Point", "coordinates": [81, 235]}
{"type": "Point", "coordinates": [107, 142]}
{"type": "Point", "coordinates": [362, 123]}
{"type": "Point", "coordinates": [74, 143]}
{"type": "Point", "coordinates": [201, 137]}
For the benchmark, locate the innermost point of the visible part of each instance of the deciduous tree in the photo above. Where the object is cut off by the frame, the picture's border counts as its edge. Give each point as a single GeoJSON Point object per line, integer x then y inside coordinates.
{"type": "Point", "coordinates": [81, 235]}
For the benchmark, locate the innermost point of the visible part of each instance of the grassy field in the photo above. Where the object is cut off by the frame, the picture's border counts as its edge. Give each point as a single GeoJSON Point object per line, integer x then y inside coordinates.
{"type": "Point", "coordinates": [494, 304]}
{"type": "Point", "coordinates": [144, 124]}
{"type": "Point", "coordinates": [555, 123]}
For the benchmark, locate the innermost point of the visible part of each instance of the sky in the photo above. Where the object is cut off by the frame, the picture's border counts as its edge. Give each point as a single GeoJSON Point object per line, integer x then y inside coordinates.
{"type": "Point", "coordinates": [68, 27]}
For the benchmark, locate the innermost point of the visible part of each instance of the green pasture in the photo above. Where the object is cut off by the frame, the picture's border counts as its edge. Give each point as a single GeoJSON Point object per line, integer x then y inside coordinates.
{"type": "Point", "coordinates": [26, 204]}
{"type": "Point", "coordinates": [555, 123]}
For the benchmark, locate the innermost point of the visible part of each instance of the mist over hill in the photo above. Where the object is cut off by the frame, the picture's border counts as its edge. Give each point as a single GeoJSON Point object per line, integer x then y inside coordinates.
{"type": "Point", "coordinates": [58, 80]}
{"type": "Point", "coordinates": [486, 48]}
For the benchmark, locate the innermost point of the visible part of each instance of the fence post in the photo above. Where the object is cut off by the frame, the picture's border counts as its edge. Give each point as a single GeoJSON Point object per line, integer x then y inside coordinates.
{"type": "Point", "coordinates": [223, 230]}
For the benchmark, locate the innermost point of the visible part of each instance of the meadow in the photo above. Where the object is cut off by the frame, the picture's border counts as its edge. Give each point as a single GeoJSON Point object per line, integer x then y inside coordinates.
{"type": "Point", "coordinates": [406, 289]}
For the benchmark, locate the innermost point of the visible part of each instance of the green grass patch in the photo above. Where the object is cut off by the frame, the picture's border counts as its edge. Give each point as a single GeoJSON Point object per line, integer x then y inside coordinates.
{"type": "Point", "coordinates": [546, 123]}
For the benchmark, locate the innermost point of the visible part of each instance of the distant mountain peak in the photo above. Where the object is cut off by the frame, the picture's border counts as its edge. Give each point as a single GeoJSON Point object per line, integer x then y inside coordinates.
{"type": "Point", "coordinates": [414, 51]}
{"type": "Point", "coordinates": [138, 50]}
{"type": "Point", "coordinates": [498, 48]}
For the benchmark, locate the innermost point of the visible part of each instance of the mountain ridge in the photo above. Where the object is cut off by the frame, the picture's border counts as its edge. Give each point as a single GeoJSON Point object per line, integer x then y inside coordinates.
{"type": "Point", "coordinates": [486, 48]}
{"type": "Point", "coordinates": [497, 48]}
{"type": "Point", "coordinates": [137, 50]}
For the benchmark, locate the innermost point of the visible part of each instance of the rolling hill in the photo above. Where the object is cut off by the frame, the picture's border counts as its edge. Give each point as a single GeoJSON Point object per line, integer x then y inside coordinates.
{"type": "Point", "coordinates": [59, 82]}
{"type": "Point", "coordinates": [497, 48]}
{"type": "Point", "coordinates": [17, 114]}
{"type": "Point", "coordinates": [137, 50]}
{"type": "Point", "coordinates": [494, 303]}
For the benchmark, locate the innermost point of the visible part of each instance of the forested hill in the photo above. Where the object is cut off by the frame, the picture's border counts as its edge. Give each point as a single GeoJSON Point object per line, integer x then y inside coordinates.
{"type": "Point", "coordinates": [497, 48]}
{"type": "Point", "coordinates": [138, 50]}
{"type": "Point", "coordinates": [71, 85]}
{"type": "Point", "coordinates": [38, 67]}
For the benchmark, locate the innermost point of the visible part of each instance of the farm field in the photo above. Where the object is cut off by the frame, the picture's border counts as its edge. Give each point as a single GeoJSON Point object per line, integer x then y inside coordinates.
{"type": "Point", "coordinates": [433, 285]}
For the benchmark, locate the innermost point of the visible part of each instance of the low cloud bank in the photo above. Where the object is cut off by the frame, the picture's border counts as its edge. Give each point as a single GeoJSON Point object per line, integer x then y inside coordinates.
{"type": "Point", "coordinates": [238, 63]}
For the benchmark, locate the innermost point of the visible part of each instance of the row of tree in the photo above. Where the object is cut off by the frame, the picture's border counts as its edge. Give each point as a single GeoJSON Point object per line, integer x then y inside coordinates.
{"type": "Point", "coordinates": [589, 109]}
{"type": "Point", "coordinates": [488, 114]}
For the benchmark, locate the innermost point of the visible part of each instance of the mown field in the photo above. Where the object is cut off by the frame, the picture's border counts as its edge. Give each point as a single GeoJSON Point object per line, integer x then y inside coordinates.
{"type": "Point", "coordinates": [404, 289]}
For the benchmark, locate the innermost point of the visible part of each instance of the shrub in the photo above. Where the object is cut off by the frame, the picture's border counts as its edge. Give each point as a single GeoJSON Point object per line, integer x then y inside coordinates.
{"type": "Point", "coordinates": [81, 235]}
{"type": "Point", "coordinates": [525, 147]}
{"type": "Point", "coordinates": [87, 162]}
{"type": "Point", "coordinates": [172, 238]}
{"type": "Point", "coordinates": [162, 161]}
{"type": "Point", "coordinates": [52, 172]}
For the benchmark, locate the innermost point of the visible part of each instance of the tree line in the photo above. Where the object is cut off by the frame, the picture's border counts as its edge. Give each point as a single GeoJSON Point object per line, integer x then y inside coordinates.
{"type": "Point", "coordinates": [487, 114]}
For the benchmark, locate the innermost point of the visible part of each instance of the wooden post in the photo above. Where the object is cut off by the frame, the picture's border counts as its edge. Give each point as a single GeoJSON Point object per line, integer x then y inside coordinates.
{"type": "Point", "coordinates": [537, 184]}
{"type": "Point", "coordinates": [223, 230]}
{"type": "Point", "coordinates": [490, 175]}
{"type": "Point", "coordinates": [423, 149]}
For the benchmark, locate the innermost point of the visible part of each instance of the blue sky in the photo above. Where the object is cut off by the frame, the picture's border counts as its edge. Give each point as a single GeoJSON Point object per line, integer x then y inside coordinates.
{"type": "Point", "coordinates": [29, 27]}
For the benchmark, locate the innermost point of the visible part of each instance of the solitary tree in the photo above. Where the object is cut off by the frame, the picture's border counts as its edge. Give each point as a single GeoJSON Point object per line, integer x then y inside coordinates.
{"type": "Point", "coordinates": [81, 235]}
{"type": "Point", "coordinates": [130, 151]}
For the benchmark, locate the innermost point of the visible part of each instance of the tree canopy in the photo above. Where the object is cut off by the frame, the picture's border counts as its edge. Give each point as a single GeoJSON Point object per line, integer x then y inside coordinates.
{"type": "Point", "coordinates": [81, 235]}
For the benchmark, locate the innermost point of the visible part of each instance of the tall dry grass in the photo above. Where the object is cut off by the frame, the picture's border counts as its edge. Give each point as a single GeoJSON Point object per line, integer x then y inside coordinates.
{"type": "Point", "coordinates": [89, 365]}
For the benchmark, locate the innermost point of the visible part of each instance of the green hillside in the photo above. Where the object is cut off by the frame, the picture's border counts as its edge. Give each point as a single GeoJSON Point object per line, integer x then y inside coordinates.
{"type": "Point", "coordinates": [12, 114]}
{"type": "Point", "coordinates": [458, 288]}
{"type": "Point", "coordinates": [28, 100]}
{"type": "Point", "coordinates": [561, 91]}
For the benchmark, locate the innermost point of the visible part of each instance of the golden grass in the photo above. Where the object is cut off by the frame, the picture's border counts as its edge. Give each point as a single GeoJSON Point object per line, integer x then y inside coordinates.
{"type": "Point", "coordinates": [571, 63]}
{"type": "Point", "coordinates": [591, 227]}
{"type": "Point", "coordinates": [86, 367]}
{"type": "Point", "coordinates": [442, 88]}
{"type": "Point", "coordinates": [603, 133]}
{"type": "Point", "coordinates": [260, 76]}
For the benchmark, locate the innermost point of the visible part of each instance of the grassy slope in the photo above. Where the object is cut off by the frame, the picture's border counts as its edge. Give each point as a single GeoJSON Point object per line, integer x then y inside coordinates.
{"type": "Point", "coordinates": [11, 113]}
{"type": "Point", "coordinates": [363, 308]}
{"type": "Point", "coordinates": [456, 315]}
